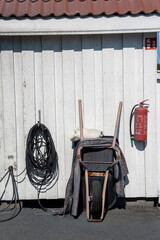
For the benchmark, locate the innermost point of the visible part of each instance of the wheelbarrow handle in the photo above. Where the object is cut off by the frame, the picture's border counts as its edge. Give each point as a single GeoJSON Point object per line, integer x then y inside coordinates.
{"type": "Point", "coordinates": [117, 124]}
{"type": "Point", "coordinates": [80, 118]}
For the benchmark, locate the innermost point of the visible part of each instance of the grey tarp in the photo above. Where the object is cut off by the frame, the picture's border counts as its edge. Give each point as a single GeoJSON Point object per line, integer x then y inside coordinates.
{"type": "Point", "coordinates": [73, 186]}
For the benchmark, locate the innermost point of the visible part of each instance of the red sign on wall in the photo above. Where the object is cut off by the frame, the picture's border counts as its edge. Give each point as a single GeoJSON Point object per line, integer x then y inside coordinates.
{"type": "Point", "coordinates": [151, 43]}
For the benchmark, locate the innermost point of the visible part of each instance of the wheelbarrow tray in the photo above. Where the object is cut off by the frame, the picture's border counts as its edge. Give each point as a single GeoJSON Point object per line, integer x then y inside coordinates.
{"type": "Point", "coordinates": [101, 154]}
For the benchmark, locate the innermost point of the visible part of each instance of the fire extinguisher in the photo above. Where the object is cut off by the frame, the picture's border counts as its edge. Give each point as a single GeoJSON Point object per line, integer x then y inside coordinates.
{"type": "Point", "coordinates": [140, 113]}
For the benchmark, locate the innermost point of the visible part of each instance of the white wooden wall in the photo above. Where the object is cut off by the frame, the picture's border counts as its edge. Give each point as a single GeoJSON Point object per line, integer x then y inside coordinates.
{"type": "Point", "coordinates": [50, 73]}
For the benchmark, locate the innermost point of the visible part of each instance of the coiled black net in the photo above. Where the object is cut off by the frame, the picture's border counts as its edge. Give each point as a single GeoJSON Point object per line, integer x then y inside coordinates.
{"type": "Point", "coordinates": [41, 158]}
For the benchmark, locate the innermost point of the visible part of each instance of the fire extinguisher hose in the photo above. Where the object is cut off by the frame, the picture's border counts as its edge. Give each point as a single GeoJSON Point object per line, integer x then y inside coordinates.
{"type": "Point", "coordinates": [130, 123]}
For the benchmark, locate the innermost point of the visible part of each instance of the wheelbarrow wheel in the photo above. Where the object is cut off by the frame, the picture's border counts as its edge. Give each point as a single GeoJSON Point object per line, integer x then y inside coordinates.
{"type": "Point", "coordinates": [96, 206]}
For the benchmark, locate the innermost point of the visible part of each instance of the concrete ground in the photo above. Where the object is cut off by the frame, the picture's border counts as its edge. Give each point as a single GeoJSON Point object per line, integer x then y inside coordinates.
{"type": "Point", "coordinates": [140, 220]}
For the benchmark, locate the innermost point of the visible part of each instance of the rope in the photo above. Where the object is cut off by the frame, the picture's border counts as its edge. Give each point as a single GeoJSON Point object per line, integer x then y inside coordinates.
{"type": "Point", "coordinates": [41, 159]}
{"type": "Point", "coordinates": [4, 175]}
{"type": "Point", "coordinates": [15, 197]}
{"type": "Point", "coordinates": [18, 175]}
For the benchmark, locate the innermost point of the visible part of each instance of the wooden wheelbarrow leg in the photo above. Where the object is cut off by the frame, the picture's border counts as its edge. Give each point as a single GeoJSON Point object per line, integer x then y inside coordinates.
{"type": "Point", "coordinates": [104, 194]}
{"type": "Point", "coordinates": [87, 195]}
{"type": "Point", "coordinates": [88, 199]}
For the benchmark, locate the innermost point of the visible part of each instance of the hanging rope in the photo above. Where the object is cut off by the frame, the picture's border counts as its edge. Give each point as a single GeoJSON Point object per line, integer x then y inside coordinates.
{"type": "Point", "coordinates": [41, 159]}
{"type": "Point", "coordinates": [17, 206]}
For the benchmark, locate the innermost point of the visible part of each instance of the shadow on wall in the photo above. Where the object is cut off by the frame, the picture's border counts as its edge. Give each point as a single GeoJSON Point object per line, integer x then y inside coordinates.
{"type": "Point", "coordinates": [62, 43]}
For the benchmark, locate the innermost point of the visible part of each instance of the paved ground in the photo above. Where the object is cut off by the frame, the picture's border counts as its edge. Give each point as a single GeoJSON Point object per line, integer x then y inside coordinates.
{"type": "Point", "coordinates": [139, 220]}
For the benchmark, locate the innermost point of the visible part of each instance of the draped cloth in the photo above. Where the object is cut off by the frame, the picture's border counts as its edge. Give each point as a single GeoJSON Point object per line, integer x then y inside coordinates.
{"type": "Point", "coordinates": [72, 193]}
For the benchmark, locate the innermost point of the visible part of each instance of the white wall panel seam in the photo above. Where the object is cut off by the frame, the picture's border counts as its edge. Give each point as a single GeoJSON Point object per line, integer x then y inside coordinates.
{"type": "Point", "coordinates": [38, 75]}
{"type": "Point", "coordinates": [15, 106]}
{"type": "Point", "coordinates": [74, 49]}
{"type": "Point", "coordinates": [123, 91]}
{"type": "Point", "coordinates": [102, 79]}
{"type": "Point", "coordinates": [149, 92]}
{"type": "Point", "coordinates": [9, 109]}
{"type": "Point", "coordinates": [28, 76]}
{"type": "Point", "coordinates": [55, 117]}
{"type": "Point", "coordinates": [59, 114]}
{"type": "Point", "coordinates": [94, 81]}
{"type": "Point", "coordinates": [35, 92]}
{"type": "Point", "coordinates": [19, 112]}
{"type": "Point", "coordinates": [98, 83]}
{"type": "Point", "coordinates": [63, 94]}
{"type": "Point", "coordinates": [55, 102]}
{"type": "Point", "coordinates": [143, 47]}
{"type": "Point", "coordinates": [143, 98]}
{"type": "Point", "coordinates": [2, 167]}
{"type": "Point", "coordinates": [82, 76]}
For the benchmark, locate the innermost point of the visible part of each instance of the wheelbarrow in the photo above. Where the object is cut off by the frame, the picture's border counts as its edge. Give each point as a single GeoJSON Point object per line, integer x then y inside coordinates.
{"type": "Point", "coordinates": [98, 158]}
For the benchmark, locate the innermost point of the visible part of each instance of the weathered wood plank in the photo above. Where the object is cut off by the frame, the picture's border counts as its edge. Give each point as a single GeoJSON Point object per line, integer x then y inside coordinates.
{"type": "Point", "coordinates": [10, 145]}
{"type": "Point", "coordinates": [151, 160]}
{"type": "Point", "coordinates": [118, 91]}
{"type": "Point", "coordinates": [133, 78]}
{"type": "Point", "coordinates": [108, 84]}
{"type": "Point", "coordinates": [58, 61]}
{"type": "Point", "coordinates": [39, 85]}
{"type": "Point", "coordinates": [49, 99]}
{"type": "Point", "coordinates": [88, 81]}
{"type": "Point", "coordinates": [17, 47]}
{"type": "Point", "coordinates": [78, 75]}
{"type": "Point", "coordinates": [98, 68]}
{"type": "Point", "coordinates": [2, 133]}
{"type": "Point", "coordinates": [28, 81]}
{"type": "Point", "coordinates": [69, 97]}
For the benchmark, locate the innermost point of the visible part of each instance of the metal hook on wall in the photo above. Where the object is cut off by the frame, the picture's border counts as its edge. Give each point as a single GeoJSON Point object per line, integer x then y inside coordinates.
{"type": "Point", "coordinates": [39, 117]}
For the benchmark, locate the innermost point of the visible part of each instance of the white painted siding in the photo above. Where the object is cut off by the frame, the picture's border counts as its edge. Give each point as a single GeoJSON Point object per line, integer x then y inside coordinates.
{"type": "Point", "coordinates": [50, 73]}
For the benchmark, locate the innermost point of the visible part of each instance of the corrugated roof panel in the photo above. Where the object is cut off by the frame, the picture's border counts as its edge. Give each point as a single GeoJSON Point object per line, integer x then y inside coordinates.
{"type": "Point", "coordinates": [57, 8]}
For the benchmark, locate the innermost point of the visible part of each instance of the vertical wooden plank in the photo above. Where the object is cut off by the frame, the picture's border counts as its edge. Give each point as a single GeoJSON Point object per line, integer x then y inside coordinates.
{"type": "Point", "coordinates": [108, 83]}
{"type": "Point", "coordinates": [151, 160]}
{"type": "Point", "coordinates": [133, 78]}
{"type": "Point", "coordinates": [69, 97]}
{"type": "Point", "coordinates": [158, 119]}
{"type": "Point", "coordinates": [49, 94]}
{"type": "Point", "coordinates": [49, 84]}
{"type": "Point", "coordinates": [17, 47]}
{"type": "Point", "coordinates": [59, 89]}
{"type": "Point", "coordinates": [139, 96]}
{"type": "Point", "coordinates": [39, 87]}
{"type": "Point", "coordinates": [28, 79]}
{"type": "Point", "coordinates": [88, 81]}
{"type": "Point", "coordinates": [99, 124]}
{"type": "Point", "coordinates": [8, 106]}
{"type": "Point", "coordinates": [112, 80]}
{"type": "Point", "coordinates": [158, 134]}
{"type": "Point", "coordinates": [2, 165]}
{"type": "Point", "coordinates": [78, 75]}
{"type": "Point", "coordinates": [129, 102]}
{"type": "Point", "coordinates": [118, 92]}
